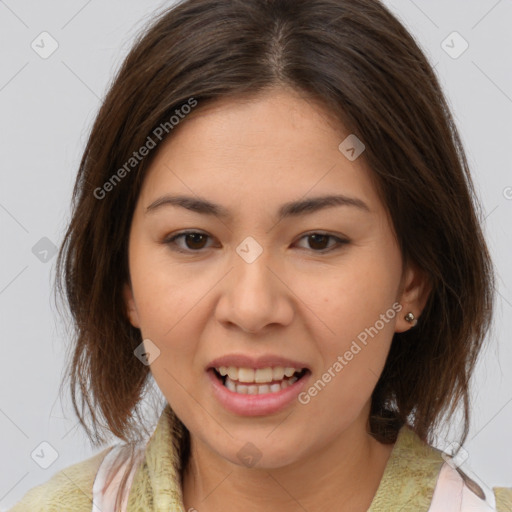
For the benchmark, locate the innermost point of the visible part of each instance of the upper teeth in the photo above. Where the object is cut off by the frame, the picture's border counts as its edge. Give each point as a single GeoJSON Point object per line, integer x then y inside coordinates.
{"type": "Point", "coordinates": [256, 375]}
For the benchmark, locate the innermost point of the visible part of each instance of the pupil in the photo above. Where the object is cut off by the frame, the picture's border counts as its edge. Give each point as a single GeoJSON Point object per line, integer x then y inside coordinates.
{"type": "Point", "coordinates": [195, 236]}
{"type": "Point", "coordinates": [316, 237]}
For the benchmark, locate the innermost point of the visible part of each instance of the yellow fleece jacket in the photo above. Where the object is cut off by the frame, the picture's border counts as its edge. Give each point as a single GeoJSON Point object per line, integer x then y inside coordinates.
{"type": "Point", "coordinates": [407, 484]}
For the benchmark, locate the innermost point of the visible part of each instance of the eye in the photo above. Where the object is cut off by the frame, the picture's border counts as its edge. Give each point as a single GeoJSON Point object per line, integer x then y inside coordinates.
{"type": "Point", "coordinates": [317, 241]}
{"type": "Point", "coordinates": [195, 241]}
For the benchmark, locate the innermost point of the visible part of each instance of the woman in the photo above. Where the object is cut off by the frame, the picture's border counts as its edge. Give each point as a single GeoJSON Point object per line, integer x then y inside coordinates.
{"type": "Point", "coordinates": [275, 220]}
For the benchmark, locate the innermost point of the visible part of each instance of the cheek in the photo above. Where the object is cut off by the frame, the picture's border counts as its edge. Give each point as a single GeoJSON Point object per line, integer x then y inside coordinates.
{"type": "Point", "coordinates": [352, 366]}
{"type": "Point", "coordinates": [167, 307]}
{"type": "Point", "coordinates": [351, 296]}
{"type": "Point", "coordinates": [355, 303]}
{"type": "Point", "coordinates": [164, 292]}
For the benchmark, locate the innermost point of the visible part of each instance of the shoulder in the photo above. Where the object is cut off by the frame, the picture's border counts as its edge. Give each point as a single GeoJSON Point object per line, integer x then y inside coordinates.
{"type": "Point", "coordinates": [503, 498]}
{"type": "Point", "coordinates": [424, 478]}
{"type": "Point", "coordinates": [68, 490]}
{"type": "Point", "coordinates": [455, 490]}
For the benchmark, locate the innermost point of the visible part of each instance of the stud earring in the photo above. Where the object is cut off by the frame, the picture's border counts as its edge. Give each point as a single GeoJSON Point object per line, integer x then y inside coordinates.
{"type": "Point", "coordinates": [411, 319]}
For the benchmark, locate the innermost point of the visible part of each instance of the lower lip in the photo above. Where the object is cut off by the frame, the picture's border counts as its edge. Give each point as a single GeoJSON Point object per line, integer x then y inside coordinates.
{"type": "Point", "coordinates": [256, 405]}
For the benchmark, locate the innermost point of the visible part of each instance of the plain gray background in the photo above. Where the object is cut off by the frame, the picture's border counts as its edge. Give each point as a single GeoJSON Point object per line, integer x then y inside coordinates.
{"type": "Point", "coordinates": [47, 107]}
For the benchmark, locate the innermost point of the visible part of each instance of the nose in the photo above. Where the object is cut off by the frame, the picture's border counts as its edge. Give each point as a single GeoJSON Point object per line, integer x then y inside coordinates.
{"type": "Point", "coordinates": [254, 296]}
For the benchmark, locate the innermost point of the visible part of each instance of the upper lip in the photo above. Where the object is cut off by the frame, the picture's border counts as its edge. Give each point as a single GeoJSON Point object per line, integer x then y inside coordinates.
{"type": "Point", "coordinates": [244, 361]}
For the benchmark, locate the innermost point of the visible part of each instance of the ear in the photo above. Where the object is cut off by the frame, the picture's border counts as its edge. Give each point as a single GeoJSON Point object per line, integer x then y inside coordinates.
{"type": "Point", "coordinates": [131, 308]}
{"type": "Point", "coordinates": [414, 291]}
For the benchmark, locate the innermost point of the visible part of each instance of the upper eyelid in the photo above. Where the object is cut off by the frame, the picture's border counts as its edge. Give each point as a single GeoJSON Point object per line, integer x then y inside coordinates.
{"type": "Point", "coordinates": [309, 233]}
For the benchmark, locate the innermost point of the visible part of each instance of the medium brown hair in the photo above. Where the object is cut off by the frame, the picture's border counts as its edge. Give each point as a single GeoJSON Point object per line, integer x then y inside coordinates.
{"type": "Point", "coordinates": [361, 63]}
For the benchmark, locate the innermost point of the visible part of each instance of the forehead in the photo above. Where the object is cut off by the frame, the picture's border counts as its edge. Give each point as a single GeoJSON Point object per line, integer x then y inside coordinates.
{"type": "Point", "coordinates": [295, 102]}
{"type": "Point", "coordinates": [274, 147]}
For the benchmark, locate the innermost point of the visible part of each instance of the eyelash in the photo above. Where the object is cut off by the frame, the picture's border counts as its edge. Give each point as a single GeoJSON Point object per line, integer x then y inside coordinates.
{"type": "Point", "coordinates": [171, 241]}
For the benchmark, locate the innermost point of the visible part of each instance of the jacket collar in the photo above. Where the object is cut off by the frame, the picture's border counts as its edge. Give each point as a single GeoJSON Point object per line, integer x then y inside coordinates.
{"type": "Point", "coordinates": [408, 481]}
{"type": "Point", "coordinates": [410, 475]}
{"type": "Point", "coordinates": [156, 485]}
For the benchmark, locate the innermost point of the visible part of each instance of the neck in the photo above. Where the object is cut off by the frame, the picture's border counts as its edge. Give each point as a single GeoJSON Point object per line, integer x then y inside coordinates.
{"type": "Point", "coordinates": [346, 471]}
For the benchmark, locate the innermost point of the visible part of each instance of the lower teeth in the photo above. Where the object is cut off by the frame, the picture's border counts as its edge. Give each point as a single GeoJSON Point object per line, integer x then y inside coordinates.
{"type": "Point", "coordinates": [255, 389]}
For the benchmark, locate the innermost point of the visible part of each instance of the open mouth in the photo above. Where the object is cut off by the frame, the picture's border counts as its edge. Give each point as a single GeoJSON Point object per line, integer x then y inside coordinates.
{"type": "Point", "coordinates": [259, 388]}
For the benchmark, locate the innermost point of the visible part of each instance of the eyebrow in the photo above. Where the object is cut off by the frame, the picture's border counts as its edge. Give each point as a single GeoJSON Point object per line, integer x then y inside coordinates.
{"type": "Point", "coordinates": [291, 209]}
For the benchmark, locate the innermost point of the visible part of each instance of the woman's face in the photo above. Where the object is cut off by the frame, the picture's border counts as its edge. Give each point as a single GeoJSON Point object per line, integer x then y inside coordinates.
{"type": "Point", "coordinates": [264, 283]}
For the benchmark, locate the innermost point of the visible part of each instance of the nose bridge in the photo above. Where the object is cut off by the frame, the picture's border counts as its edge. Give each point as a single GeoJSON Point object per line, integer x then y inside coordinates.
{"type": "Point", "coordinates": [252, 271]}
{"type": "Point", "coordinates": [253, 296]}
{"type": "Point", "coordinates": [252, 281]}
